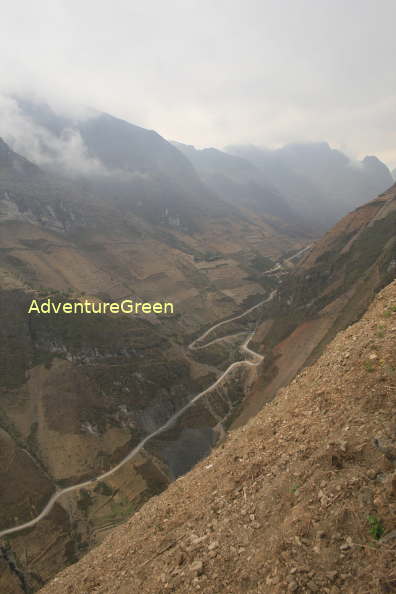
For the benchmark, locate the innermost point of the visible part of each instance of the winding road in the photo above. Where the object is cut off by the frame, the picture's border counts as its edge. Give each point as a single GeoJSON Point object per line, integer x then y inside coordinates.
{"type": "Point", "coordinates": [255, 360]}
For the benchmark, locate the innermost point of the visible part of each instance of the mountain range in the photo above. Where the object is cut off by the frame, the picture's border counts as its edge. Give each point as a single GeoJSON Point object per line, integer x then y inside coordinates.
{"type": "Point", "coordinates": [307, 183]}
{"type": "Point", "coordinates": [321, 183]}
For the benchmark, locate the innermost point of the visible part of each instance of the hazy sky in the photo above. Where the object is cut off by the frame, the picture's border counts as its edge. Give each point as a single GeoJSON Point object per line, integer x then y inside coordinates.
{"type": "Point", "coordinates": [216, 72]}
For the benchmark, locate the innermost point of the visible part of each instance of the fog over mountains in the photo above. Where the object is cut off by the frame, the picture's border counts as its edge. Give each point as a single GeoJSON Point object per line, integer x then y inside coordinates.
{"type": "Point", "coordinates": [322, 183]}
{"type": "Point", "coordinates": [237, 180]}
{"type": "Point", "coordinates": [306, 182]}
{"type": "Point", "coordinates": [315, 182]}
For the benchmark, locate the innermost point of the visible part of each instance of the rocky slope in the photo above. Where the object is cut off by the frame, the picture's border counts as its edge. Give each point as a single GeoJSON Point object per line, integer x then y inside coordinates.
{"type": "Point", "coordinates": [300, 500]}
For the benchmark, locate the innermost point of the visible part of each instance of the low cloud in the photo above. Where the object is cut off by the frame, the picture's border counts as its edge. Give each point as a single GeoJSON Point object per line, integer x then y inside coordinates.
{"type": "Point", "coordinates": [65, 151]}
{"type": "Point", "coordinates": [215, 73]}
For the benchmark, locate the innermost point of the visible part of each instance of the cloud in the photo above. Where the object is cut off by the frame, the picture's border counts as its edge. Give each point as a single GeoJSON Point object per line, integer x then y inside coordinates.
{"type": "Point", "coordinates": [61, 151]}
{"type": "Point", "coordinates": [65, 151]}
{"type": "Point", "coordinates": [215, 73]}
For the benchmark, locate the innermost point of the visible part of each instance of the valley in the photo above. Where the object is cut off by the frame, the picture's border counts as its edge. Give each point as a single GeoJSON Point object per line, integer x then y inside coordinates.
{"type": "Point", "coordinates": [100, 413]}
{"type": "Point", "coordinates": [96, 411]}
{"type": "Point", "coordinates": [256, 360]}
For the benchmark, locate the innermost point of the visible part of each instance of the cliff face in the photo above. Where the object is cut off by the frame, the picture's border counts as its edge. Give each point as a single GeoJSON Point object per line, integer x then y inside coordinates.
{"type": "Point", "coordinates": [13, 164]}
{"type": "Point", "coordinates": [299, 500]}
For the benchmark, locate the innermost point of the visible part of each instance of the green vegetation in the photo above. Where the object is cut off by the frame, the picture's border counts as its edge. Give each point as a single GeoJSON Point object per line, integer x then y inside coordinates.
{"type": "Point", "coordinates": [211, 255]}
{"type": "Point", "coordinates": [380, 330]}
{"type": "Point", "coordinates": [368, 365]}
{"type": "Point", "coordinates": [376, 527]}
{"type": "Point", "coordinates": [120, 510]}
{"type": "Point", "coordinates": [389, 369]}
{"type": "Point", "coordinates": [262, 263]}
{"type": "Point", "coordinates": [85, 500]}
{"type": "Point", "coordinates": [103, 488]}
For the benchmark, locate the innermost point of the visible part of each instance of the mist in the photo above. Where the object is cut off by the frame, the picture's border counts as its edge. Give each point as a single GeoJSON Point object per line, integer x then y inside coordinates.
{"type": "Point", "coordinates": [215, 73]}
{"type": "Point", "coordinates": [65, 151]}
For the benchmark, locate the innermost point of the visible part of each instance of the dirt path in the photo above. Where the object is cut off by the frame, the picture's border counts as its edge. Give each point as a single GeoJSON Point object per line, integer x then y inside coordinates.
{"type": "Point", "coordinates": [255, 359]}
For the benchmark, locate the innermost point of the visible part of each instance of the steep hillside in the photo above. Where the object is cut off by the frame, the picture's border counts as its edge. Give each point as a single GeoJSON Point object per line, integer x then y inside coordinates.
{"type": "Point", "coordinates": [116, 250]}
{"type": "Point", "coordinates": [330, 288]}
{"type": "Point", "coordinates": [300, 500]}
{"type": "Point", "coordinates": [319, 182]}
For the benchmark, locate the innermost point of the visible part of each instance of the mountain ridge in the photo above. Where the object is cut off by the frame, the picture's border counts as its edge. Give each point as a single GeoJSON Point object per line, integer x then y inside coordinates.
{"type": "Point", "coordinates": [321, 183]}
{"type": "Point", "coordinates": [237, 181]}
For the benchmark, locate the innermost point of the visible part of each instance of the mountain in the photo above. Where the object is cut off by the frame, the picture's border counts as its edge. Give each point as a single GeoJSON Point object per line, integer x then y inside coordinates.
{"type": "Point", "coordinates": [141, 171]}
{"type": "Point", "coordinates": [299, 500]}
{"type": "Point", "coordinates": [237, 181]}
{"type": "Point", "coordinates": [122, 162]}
{"type": "Point", "coordinates": [320, 183]}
